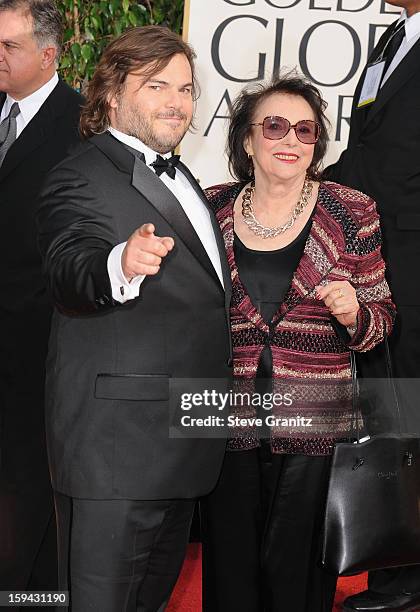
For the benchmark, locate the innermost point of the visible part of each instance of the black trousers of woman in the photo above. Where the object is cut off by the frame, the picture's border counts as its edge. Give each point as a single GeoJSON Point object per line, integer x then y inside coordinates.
{"type": "Point", "coordinates": [262, 529]}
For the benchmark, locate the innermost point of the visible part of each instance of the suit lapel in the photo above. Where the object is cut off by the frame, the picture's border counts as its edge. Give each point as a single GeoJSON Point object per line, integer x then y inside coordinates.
{"type": "Point", "coordinates": [405, 69]}
{"type": "Point", "coordinates": [359, 115]}
{"type": "Point", "coordinates": [34, 134]}
{"type": "Point", "coordinates": [158, 195]}
{"type": "Point", "coordinates": [116, 152]}
{"type": "Point", "coordinates": [31, 138]}
{"type": "Point", "coordinates": [216, 229]}
{"type": "Point", "coordinates": [194, 184]}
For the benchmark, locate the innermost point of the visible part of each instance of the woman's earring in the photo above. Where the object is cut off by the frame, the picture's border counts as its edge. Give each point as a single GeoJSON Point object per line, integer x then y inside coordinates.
{"type": "Point", "coordinates": [250, 165]}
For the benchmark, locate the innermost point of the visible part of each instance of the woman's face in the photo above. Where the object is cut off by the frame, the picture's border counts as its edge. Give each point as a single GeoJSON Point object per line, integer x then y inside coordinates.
{"type": "Point", "coordinates": [286, 159]}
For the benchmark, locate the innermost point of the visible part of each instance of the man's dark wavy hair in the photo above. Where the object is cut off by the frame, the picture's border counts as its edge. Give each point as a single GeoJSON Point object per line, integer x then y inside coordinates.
{"type": "Point", "coordinates": [147, 49]}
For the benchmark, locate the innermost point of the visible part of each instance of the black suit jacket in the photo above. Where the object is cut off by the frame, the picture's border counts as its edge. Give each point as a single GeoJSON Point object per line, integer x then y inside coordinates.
{"type": "Point", "coordinates": [382, 159]}
{"type": "Point", "coordinates": [25, 309]}
{"type": "Point", "coordinates": [110, 365]}
{"type": "Point", "coordinates": [25, 313]}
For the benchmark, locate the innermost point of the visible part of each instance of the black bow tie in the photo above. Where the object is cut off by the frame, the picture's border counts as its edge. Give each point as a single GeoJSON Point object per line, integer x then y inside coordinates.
{"type": "Point", "coordinates": [166, 165]}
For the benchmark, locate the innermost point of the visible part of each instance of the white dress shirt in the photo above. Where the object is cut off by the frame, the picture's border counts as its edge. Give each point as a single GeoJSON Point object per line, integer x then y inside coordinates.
{"type": "Point", "coordinates": [194, 208]}
{"type": "Point", "coordinates": [28, 106]}
{"type": "Point", "coordinates": [412, 35]}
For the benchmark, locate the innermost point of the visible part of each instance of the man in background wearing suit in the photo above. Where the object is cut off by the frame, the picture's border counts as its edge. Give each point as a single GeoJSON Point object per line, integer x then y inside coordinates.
{"type": "Point", "coordinates": [382, 159]}
{"type": "Point", "coordinates": [138, 272]}
{"type": "Point", "coordinates": [38, 123]}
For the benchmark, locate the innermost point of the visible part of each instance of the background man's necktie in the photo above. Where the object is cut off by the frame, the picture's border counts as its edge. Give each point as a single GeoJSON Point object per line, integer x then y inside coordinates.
{"type": "Point", "coordinates": [393, 45]}
{"type": "Point", "coordinates": [8, 131]}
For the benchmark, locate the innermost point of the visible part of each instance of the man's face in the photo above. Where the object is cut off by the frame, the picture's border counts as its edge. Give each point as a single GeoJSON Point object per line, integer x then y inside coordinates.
{"type": "Point", "coordinates": [159, 111]}
{"type": "Point", "coordinates": [411, 6]}
{"type": "Point", "coordinates": [24, 67]}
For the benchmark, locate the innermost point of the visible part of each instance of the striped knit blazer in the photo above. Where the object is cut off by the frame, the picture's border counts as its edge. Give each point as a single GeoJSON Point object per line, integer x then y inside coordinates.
{"type": "Point", "coordinates": [344, 243]}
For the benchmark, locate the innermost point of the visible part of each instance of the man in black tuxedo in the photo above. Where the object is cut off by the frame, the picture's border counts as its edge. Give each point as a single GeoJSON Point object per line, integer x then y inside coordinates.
{"type": "Point", "coordinates": [382, 160]}
{"type": "Point", "coordinates": [38, 124]}
{"type": "Point", "coordinates": [138, 272]}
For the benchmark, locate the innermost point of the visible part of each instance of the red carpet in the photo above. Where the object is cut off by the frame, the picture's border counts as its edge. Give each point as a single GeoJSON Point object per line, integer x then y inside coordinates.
{"type": "Point", "coordinates": [187, 594]}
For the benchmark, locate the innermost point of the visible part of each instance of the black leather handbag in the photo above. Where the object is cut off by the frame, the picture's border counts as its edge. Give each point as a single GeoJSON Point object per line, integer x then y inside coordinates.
{"type": "Point", "coordinates": [372, 517]}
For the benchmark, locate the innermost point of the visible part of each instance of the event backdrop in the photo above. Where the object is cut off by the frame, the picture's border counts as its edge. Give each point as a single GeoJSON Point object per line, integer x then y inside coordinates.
{"type": "Point", "coordinates": [242, 41]}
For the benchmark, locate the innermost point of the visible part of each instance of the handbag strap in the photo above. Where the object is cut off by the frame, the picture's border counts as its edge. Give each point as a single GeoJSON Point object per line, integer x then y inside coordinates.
{"type": "Point", "coordinates": [354, 396]}
{"type": "Point", "coordinates": [355, 418]}
{"type": "Point", "coordinates": [392, 381]}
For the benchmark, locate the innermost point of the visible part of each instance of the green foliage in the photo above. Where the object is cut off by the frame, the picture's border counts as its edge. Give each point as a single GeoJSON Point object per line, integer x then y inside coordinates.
{"type": "Point", "coordinates": [91, 24]}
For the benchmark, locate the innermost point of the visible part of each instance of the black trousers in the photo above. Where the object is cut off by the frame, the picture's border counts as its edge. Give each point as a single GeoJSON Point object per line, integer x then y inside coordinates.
{"type": "Point", "coordinates": [121, 555]}
{"type": "Point", "coordinates": [262, 530]}
{"type": "Point", "coordinates": [28, 548]}
{"type": "Point", "coordinates": [404, 344]}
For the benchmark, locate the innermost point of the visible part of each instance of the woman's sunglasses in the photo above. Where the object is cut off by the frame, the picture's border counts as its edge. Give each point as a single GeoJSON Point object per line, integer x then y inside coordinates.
{"type": "Point", "coordinates": [274, 128]}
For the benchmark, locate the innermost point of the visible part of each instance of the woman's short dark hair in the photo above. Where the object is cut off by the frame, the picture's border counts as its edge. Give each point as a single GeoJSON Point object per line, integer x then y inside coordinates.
{"type": "Point", "coordinates": [243, 114]}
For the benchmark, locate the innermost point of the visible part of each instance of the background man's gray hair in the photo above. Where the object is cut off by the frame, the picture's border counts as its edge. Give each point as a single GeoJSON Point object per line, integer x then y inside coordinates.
{"type": "Point", "coordinates": [47, 20]}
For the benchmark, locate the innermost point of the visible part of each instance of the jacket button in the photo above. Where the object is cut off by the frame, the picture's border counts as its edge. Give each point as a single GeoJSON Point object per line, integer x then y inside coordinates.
{"type": "Point", "coordinates": [360, 145]}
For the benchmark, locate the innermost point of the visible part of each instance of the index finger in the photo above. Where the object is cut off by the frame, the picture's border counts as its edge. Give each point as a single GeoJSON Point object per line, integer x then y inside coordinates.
{"type": "Point", "coordinates": [146, 230]}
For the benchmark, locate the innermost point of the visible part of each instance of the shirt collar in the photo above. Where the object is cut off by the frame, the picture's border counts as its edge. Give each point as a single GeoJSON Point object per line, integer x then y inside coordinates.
{"type": "Point", "coordinates": [412, 25]}
{"type": "Point", "coordinates": [138, 145]}
{"type": "Point", "coordinates": [30, 105]}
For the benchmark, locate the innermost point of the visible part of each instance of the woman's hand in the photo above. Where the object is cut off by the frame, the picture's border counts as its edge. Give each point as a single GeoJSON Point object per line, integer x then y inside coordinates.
{"type": "Point", "coordinates": [340, 298]}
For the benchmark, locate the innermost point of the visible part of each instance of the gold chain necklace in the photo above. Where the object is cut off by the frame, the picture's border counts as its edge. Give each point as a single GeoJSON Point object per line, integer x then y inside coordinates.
{"type": "Point", "coordinates": [255, 226]}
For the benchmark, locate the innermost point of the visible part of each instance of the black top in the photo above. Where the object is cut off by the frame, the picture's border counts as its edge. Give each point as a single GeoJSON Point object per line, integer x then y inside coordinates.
{"type": "Point", "coordinates": [266, 275]}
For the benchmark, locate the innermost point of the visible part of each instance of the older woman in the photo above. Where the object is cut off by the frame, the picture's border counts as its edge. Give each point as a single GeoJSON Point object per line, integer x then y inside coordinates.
{"type": "Point", "coordinates": [308, 287]}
